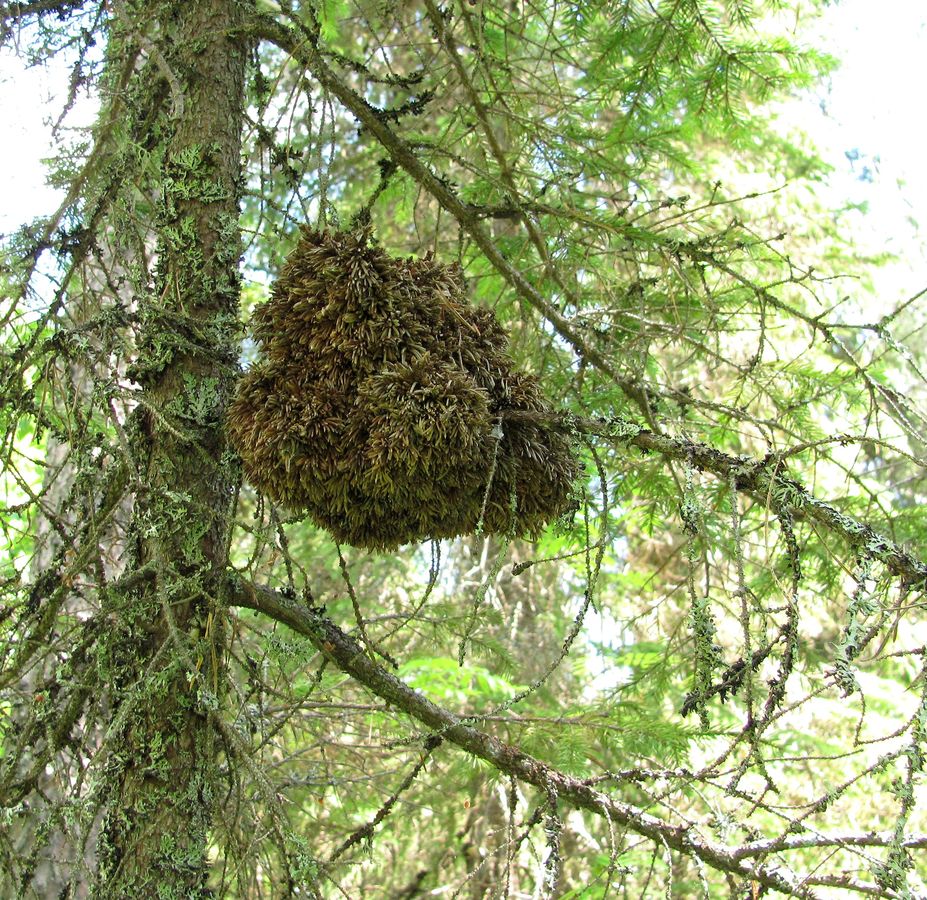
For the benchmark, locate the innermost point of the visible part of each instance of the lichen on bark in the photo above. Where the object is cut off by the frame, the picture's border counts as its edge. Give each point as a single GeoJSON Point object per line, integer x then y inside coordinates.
{"type": "Point", "coordinates": [165, 648]}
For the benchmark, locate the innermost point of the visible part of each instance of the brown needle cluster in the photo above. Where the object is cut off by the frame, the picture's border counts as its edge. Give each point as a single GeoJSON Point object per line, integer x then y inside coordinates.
{"type": "Point", "coordinates": [378, 405]}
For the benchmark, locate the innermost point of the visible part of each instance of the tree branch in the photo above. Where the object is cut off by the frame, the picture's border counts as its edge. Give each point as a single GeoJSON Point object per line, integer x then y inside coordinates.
{"type": "Point", "coordinates": [761, 478]}
{"type": "Point", "coordinates": [818, 839]}
{"type": "Point", "coordinates": [61, 8]}
{"type": "Point", "coordinates": [344, 652]}
{"type": "Point", "coordinates": [266, 27]}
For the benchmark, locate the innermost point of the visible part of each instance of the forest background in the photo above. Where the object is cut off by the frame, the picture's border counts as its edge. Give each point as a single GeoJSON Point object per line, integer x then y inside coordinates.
{"type": "Point", "coordinates": [707, 681]}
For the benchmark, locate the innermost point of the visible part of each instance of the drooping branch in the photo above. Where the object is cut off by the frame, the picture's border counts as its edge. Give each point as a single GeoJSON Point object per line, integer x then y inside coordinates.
{"type": "Point", "coordinates": [764, 479]}
{"type": "Point", "coordinates": [348, 655]}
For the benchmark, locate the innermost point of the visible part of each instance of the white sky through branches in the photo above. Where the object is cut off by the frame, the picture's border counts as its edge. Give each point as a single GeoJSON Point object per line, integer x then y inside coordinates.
{"type": "Point", "coordinates": [869, 125]}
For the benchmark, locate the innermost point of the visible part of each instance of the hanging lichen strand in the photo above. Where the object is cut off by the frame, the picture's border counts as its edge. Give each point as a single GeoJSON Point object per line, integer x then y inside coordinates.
{"type": "Point", "coordinates": [378, 404]}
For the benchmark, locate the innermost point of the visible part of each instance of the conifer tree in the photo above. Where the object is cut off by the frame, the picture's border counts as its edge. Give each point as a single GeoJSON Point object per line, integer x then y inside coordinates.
{"type": "Point", "coordinates": [426, 468]}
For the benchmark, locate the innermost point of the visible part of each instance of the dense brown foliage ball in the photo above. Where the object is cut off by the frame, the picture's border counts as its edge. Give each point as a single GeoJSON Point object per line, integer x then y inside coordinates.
{"type": "Point", "coordinates": [377, 403]}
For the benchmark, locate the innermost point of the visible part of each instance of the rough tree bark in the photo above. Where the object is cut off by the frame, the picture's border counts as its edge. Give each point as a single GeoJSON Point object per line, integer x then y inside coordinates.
{"type": "Point", "coordinates": [165, 648]}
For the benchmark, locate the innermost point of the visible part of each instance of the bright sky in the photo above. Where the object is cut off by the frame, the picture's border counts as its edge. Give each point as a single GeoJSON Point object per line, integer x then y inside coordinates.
{"type": "Point", "coordinates": [874, 111]}
{"type": "Point", "coordinates": [30, 101]}
{"type": "Point", "coordinates": [878, 94]}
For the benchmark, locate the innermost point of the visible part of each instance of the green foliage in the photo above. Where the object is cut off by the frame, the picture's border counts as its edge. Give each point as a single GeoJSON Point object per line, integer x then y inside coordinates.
{"type": "Point", "coordinates": [456, 685]}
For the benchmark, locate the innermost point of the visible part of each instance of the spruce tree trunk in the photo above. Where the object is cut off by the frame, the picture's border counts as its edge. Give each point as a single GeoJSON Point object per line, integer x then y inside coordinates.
{"type": "Point", "coordinates": [165, 652]}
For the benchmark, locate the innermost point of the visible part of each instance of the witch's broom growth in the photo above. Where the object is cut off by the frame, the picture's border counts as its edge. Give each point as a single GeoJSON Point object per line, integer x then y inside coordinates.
{"type": "Point", "coordinates": [378, 405]}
